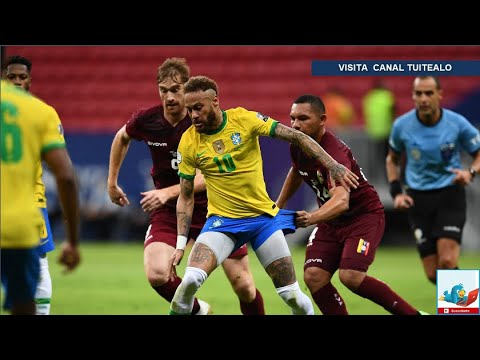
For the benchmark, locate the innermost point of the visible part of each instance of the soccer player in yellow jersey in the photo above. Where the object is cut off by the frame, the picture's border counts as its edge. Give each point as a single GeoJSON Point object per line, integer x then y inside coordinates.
{"type": "Point", "coordinates": [165, 124]}
{"type": "Point", "coordinates": [224, 146]}
{"type": "Point", "coordinates": [18, 71]}
{"type": "Point", "coordinates": [30, 132]}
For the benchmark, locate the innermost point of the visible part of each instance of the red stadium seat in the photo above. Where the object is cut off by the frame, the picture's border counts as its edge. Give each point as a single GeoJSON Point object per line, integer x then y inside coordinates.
{"type": "Point", "coordinates": [96, 88]}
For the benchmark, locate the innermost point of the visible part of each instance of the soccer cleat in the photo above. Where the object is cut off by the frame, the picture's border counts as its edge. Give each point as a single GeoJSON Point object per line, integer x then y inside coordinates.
{"type": "Point", "coordinates": [205, 308]}
{"type": "Point", "coordinates": [420, 312]}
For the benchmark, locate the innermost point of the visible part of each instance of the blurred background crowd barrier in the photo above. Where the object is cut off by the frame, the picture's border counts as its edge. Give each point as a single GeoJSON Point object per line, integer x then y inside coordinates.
{"type": "Point", "coordinates": [95, 89]}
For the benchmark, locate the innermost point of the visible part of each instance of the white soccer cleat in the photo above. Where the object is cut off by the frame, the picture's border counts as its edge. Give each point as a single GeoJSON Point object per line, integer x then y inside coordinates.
{"type": "Point", "coordinates": [205, 308]}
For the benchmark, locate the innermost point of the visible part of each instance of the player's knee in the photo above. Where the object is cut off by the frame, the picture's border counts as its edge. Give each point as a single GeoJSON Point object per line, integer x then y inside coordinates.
{"type": "Point", "coordinates": [244, 287]}
{"type": "Point", "coordinates": [351, 278]}
{"type": "Point", "coordinates": [157, 278]}
{"type": "Point", "coordinates": [193, 279]}
{"type": "Point", "coordinates": [315, 278]}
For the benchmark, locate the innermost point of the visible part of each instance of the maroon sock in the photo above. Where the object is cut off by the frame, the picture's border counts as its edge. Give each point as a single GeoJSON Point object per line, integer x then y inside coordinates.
{"type": "Point", "coordinates": [329, 301]}
{"type": "Point", "coordinates": [255, 307]}
{"type": "Point", "coordinates": [381, 294]}
{"type": "Point", "coordinates": [168, 289]}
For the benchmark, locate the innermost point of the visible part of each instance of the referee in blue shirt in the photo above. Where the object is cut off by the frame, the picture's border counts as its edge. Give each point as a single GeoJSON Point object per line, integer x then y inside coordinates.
{"type": "Point", "coordinates": [432, 138]}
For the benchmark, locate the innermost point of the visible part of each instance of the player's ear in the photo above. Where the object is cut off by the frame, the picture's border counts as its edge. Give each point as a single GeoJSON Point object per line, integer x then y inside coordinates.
{"type": "Point", "coordinates": [215, 100]}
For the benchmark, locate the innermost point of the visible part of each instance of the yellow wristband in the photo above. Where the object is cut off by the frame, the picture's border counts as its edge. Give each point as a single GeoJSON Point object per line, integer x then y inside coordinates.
{"type": "Point", "coordinates": [181, 242]}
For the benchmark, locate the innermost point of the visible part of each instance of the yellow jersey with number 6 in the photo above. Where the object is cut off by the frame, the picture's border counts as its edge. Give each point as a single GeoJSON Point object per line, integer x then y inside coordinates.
{"type": "Point", "coordinates": [29, 127]}
{"type": "Point", "coordinates": [231, 162]}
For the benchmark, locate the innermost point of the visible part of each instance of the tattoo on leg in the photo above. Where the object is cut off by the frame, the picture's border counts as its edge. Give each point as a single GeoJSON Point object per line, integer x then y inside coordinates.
{"type": "Point", "coordinates": [202, 254]}
{"type": "Point", "coordinates": [282, 272]}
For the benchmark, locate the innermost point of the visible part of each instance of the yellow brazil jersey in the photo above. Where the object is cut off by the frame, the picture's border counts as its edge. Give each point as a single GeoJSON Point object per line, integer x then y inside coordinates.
{"type": "Point", "coordinates": [231, 161]}
{"type": "Point", "coordinates": [28, 128]}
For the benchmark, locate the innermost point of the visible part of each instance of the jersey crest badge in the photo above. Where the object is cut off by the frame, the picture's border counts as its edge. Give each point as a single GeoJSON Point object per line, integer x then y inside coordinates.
{"type": "Point", "coordinates": [363, 246]}
{"type": "Point", "coordinates": [415, 154]}
{"type": "Point", "coordinates": [236, 139]}
{"type": "Point", "coordinates": [216, 223]}
{"type": "Point", "coordinates": [447, 151]}
{"type": "Point", "coordinates": [218, 146]}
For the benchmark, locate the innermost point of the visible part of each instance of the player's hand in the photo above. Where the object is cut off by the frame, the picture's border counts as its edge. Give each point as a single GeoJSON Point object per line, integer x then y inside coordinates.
{"type": "Point", "coordinates": [302, 220]}
{"type": "Point", "coordinates": [345, 176]}
{"type": "Point", "coordinates": [69, 257]}
{"type": "Point", "coordinates": [175, 260]}
{"type": "Point", "coordinates": [154, 199]}
{"type": "Point", "coordinates": [117, 196]}
{"type": "Point", "coordinates": [403, 202]}
{"type": "Point", "coordinates": [462, 177]}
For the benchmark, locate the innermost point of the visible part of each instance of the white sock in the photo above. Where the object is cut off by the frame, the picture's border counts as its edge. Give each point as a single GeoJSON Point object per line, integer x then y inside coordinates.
{"type": "Point", "coordinates": [182, 302]}
{"type": "Point", "coordinates": [43, 294]}
{"type": "Point", "coordinates": [296, 299]}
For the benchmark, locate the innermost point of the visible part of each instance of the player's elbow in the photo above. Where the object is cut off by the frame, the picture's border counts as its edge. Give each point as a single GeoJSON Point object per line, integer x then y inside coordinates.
{"type": "Point", "coordinates": [122, 136]}
{"type": "Point", "coordinates": [391, 160]}
{"type": "Point", "coordinates": [66, 179]}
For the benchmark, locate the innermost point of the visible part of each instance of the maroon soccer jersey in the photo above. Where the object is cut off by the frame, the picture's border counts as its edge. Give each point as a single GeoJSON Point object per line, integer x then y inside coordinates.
{"type": "Point", "coordinates": [149, 125]}
{"type": "Point", "coordinates": [363, 199]}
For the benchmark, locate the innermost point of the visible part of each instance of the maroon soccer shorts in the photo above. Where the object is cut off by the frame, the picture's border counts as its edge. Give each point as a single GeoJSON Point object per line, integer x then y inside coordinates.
{"type": "Point", "coordinates": [350, 245]}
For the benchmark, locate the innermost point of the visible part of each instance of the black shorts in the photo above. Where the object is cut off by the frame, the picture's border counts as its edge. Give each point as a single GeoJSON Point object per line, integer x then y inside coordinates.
{"type": "Point", "coordinates": [436, 214]}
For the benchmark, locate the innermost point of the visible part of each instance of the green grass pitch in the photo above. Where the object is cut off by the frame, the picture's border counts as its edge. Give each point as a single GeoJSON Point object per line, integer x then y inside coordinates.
{"type": "Point", "coordinates": [110, 281]}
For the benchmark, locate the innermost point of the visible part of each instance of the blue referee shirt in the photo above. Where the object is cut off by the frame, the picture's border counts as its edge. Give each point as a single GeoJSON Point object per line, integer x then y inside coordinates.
{"type": "Point", "coordinates": [432, 151]}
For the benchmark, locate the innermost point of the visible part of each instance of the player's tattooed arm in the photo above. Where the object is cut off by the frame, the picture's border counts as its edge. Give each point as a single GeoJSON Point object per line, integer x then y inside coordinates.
{"type": "Point", "coordinates": [308, 145]}
{"type": "Point", "coordinates": [185, 205]}
{"type": "Point", "coordinates": [338, 172]}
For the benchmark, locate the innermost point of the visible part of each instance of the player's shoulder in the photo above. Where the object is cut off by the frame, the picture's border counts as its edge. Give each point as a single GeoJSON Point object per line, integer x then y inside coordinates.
{"type": "Point", "coordinates": [239, 112]}
{"type": "Point", "coordinates": [9, 88]}
{"type": "Point", "coordinates": [148, 112]}
{"type": "Point", "coordinates": [24, 98]}
{"type": "Point", "coordinates": [12, 92]}
{"type": "Point", "coordinates": [331, 138]}
{"type": "Point", "coordinates": [235, 113]}
{"type": "Point", "coordinates": [333, 143]}
{"type": "Point", "coordinates": [242, 113]}
{"type": "Point", "coordinates": [405, 118]}
{"type": "Point", "coordinates": [49, 109]}
{"type": "Point", "coordinates": [191, 134]}
{"type": "Point", "coordinates": [189, 141]}
{"type": "Point", "coordinates": [452, 115]}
